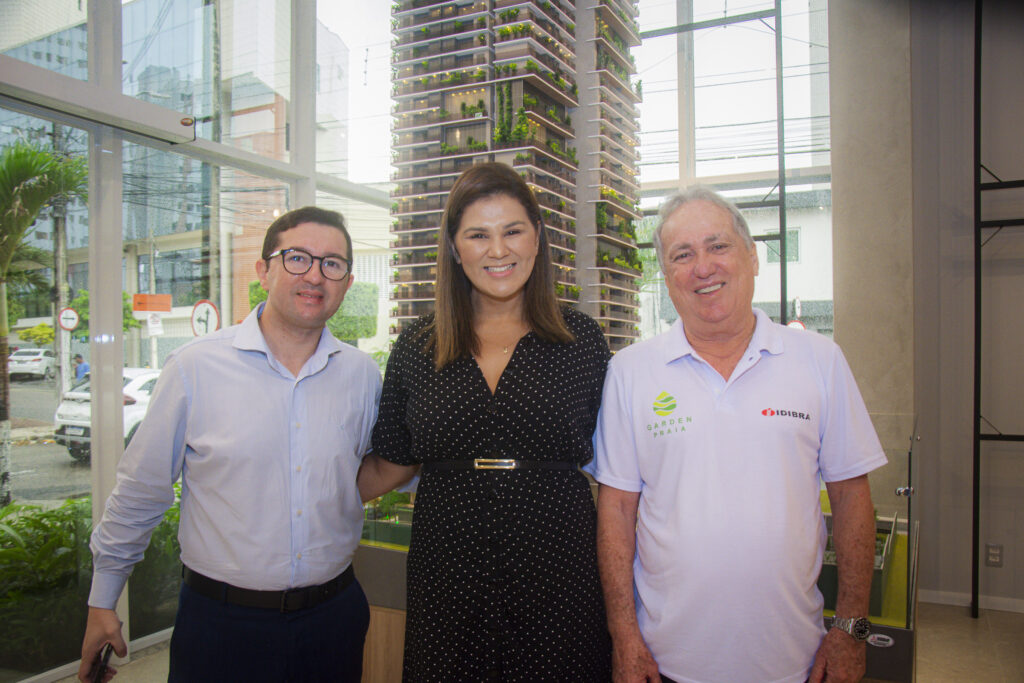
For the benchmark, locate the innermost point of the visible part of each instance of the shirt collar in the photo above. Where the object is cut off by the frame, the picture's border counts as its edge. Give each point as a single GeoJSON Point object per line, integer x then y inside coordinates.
{"type": "Point", "coordinates": [767, 337]}
{"type": "Point", "coordinates": [250, 338]}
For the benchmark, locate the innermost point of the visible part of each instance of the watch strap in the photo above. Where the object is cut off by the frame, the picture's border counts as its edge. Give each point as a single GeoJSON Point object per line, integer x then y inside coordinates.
{"type": "Point", "coordinates": [859, 628]}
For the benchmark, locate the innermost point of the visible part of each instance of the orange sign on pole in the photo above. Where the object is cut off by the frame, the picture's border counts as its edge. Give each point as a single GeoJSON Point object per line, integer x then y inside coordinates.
{"type": "Point", "coordinates": [151, 303]}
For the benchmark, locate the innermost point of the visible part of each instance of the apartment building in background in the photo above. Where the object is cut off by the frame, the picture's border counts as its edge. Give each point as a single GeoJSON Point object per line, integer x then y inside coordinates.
{"type": "Point", "coordinates": [544, 86]}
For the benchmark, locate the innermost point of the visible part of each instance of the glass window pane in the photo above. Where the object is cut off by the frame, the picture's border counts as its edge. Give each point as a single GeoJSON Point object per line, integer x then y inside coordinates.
{"type": "Point", "coordinates": [363, 318]}
{"type": "Point", "coordinates": [50, 35]}
{"type": "Point", "coordinates": [352, 83]}
{"type": "Point", "coordinates": [658, 64]}
{"type": "Point", "coordinates": [225, 63]}
{"type": "Point", "coordinates": [192, 231]}
{"type": "Point", "coordinates": [47, 565]}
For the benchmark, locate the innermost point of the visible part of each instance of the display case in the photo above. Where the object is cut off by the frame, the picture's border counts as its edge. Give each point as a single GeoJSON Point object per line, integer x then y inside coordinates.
{"type": "Point", "coordinates": [387, 527]}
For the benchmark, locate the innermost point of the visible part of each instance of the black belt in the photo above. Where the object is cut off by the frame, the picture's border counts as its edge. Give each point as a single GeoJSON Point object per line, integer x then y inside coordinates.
{"type": "Point", "coordinates": [497, 464]}
{"type": "Point", "coordinates": [286, 601]}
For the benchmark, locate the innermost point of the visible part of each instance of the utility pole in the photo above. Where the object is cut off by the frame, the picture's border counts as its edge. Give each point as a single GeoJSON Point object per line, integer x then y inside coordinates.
{"type": "Point", "coordinates": [61, 291]}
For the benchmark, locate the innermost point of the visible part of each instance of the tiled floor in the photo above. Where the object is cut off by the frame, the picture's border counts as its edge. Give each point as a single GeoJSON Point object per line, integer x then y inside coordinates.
{"type": "Point", "coordinates": [951, 646]}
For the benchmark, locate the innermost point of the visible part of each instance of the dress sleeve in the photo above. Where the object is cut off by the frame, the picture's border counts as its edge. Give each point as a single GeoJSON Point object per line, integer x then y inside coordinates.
{"type": "Point", "coordinates": [392, 439]}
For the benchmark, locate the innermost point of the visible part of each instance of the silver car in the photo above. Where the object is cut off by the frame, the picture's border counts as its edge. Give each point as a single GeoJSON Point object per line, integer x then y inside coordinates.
{"type": "Point", "coordinates": [74, 414]}
{"type": "Point", "coordinates": [35, 362]}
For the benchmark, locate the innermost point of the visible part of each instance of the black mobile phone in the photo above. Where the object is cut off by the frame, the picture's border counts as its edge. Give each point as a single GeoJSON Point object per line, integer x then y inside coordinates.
{"type": "Point", "coordinates": [99, 665]}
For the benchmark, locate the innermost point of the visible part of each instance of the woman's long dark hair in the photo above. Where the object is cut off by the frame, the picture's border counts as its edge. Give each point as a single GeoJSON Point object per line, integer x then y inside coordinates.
{"type": "Point", "coordinates": [451, 335]}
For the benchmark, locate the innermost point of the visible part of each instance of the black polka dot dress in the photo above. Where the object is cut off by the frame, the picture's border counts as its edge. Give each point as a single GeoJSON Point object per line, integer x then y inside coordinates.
{"type": "Point", "coordinates": [502, 569]}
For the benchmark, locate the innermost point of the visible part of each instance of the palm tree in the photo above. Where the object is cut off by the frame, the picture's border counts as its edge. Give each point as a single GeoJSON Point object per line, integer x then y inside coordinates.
{"type": "Point", "coordinates": [31, 177]}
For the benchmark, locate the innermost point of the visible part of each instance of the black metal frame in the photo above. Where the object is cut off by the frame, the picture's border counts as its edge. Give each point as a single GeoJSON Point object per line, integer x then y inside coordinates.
{"type": "Point", "coordinates": [980, 226]}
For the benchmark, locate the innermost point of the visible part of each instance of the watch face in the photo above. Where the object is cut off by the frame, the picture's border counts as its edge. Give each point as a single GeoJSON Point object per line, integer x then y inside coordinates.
{"type": "Point", "coordinates": [861, 629]}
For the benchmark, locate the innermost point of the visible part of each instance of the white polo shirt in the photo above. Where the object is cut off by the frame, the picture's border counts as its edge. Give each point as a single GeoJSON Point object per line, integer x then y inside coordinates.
{"type": "Point", "coordinates": [730, 533]}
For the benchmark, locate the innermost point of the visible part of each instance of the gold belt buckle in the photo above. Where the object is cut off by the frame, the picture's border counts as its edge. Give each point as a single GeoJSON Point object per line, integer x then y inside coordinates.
{"type": "Point", "coordinates": [494, 464]}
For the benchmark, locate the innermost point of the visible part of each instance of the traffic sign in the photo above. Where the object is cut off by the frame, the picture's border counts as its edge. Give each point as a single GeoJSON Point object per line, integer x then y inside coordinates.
{"type": "Point", "coordinates": [68, 319]}
{"type": "Point", "coordinates": [205, 317]}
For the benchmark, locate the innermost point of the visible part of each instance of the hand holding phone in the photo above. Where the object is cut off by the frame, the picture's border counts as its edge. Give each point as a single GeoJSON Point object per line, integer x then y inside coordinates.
{"type": "Point", "coordinates": [99, 665]}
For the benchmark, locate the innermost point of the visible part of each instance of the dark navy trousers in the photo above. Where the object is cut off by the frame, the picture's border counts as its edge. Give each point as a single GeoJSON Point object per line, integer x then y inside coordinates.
{"type": "Point", "coordinates": [218, 641]}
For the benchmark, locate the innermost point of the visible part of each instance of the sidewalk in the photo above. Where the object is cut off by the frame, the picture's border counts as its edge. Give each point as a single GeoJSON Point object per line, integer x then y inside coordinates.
{"type": "Point", "coordinates": [25, 432]}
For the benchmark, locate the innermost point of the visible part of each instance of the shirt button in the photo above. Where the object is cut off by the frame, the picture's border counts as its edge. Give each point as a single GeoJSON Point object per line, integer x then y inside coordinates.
{"type": "Point", "coordinates": [299, 556]}
{"type": "Point", "coordinates": [299, 513]}
{"type": "Point", "coordinates": [299, 468]}
{"type": "Point", "coordinates": [298, 424]}
{"type": "Point", "coordinates": [492, 408]}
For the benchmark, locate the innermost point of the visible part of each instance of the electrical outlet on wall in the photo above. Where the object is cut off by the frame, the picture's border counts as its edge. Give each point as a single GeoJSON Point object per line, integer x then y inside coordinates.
{"type": "Point", "coordinates": [993, 555]}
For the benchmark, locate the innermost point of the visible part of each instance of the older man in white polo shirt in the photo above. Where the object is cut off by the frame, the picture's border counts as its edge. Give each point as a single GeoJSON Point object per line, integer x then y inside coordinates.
{"type": "Point", "coordinates": [711, 444]}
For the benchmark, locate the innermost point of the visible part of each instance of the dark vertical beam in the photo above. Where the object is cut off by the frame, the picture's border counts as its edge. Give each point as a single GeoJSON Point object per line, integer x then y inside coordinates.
{"type": "Point", "coordinates": [781, 133]}
{"type": "Point", "coordinates": [976, 492]}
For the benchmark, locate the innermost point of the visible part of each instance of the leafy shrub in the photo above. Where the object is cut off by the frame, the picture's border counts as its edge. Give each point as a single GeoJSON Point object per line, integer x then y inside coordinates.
{"type": "Point", "coordinates": [46, 572]}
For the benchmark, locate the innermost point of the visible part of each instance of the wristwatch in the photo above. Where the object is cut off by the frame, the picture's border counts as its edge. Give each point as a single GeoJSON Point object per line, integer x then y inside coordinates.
{"type": "Point", "coordinates": [858, 627]}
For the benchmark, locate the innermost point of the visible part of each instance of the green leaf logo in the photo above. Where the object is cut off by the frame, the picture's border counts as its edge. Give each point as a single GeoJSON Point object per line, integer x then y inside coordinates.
{"type": "Point", "coordinates": [664, 404]}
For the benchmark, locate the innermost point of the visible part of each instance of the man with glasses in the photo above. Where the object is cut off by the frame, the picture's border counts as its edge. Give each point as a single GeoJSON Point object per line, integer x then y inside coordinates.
{"type": "Point", "coordinates": [266, 423]}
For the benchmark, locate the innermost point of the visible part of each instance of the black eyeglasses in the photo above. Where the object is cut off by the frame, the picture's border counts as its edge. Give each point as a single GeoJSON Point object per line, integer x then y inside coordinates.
{"type": "Point", "coordinates": [299, 261]}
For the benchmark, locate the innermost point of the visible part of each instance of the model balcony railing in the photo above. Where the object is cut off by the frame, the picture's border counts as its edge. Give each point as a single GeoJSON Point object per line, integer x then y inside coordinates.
{"type": "Point", "coordinates": [411, 309]}
{"type": "Point", "coordinates": [427, 257]}
{"type": "Point", "coordinates": [544, 161]}
{"type": "Point", "coordinates": [419, 51]}
{"type": "Point", "coordinates": [406, 5]}
{"type": "Point", "coordinates": [449, 80]}
{"type": "Point", "coordinates": [408, 292]}
{"type": "Point", "coordinates": [419, 275]}
{"type": "Point", "coordinates": [399, 24]}
{"type": "Point", "coordinates": [623, 89]}
{"type": "Point", "coordinates": [421, 187]}
{"type": "Point", "coordinates": [619, 23]}
{"type": "Point", "coordinates": [617, 151]}
{"type": "Point", "coordinates": [614, 328]}
{"type": "Point", "coordinates": [620, 236]}
{"type": "Point", "coordinates": [432, 67]}
{"type": "Point", "coordinates": [613, 313]}
{"type": "Point", "coordinates": [620, 106]}
{"type": "Point", "coordinates": [560, 240]}
{"type": "Point", "coordinates": [616, 344]}
{"type": "Point", "coordinates": [552, 23]}
{"type": "Point", "coordinates": [566, 277]}
{"type": "Point", "coordinates": [619, 297]}
{"type": "Point", "coordinates": [556, 203]}
{"type": "Point", "coordinates": [620, 200]}
{"type": "Point", "coordinates": [417, 205]}
{"type": "Point", "coordinates": [448, 29]}
{"type": "Point", "coordinates": [436, 118]}
{"type": "Point", "coordinates": [548, 183]}
{"type": "Point", "coordinates": [414, 224]}
{"type": "Point", "coordinates": [416, 240]}
{"type": "Point", "coordinates": [446, 167]}
{"type": "Point", "coordinates": [614, 279]}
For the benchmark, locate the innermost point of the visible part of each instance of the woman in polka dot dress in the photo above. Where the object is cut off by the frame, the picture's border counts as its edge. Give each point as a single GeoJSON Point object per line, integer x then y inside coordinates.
{"type": "Point", "coordinates": [496, 397]}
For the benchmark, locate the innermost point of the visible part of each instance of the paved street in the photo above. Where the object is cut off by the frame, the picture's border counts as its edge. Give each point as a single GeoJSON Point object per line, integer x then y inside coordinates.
{"type": "Point", "coordinates": [45, 473]}
{"type": "Point", "coordinates": [33, 402]}
{"type": "Point", "coordinates": [41, 472]}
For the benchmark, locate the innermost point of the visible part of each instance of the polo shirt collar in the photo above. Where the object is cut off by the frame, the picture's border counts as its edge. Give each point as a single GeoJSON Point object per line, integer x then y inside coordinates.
{"type": "Point", "coordinates": [250, 338]}
{"type": "Point", "coordinates": [767, 337]}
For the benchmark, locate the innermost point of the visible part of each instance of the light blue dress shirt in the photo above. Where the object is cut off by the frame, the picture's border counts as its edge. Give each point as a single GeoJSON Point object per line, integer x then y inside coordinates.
{"type": "Point", "coordinates": [268, 463]}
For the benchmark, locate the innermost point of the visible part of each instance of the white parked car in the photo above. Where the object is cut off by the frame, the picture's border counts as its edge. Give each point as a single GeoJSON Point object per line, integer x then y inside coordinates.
{"type": "Point", "coordinates": [73, 418]}
{"type": "Point", "coordinates": [36, 362]}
